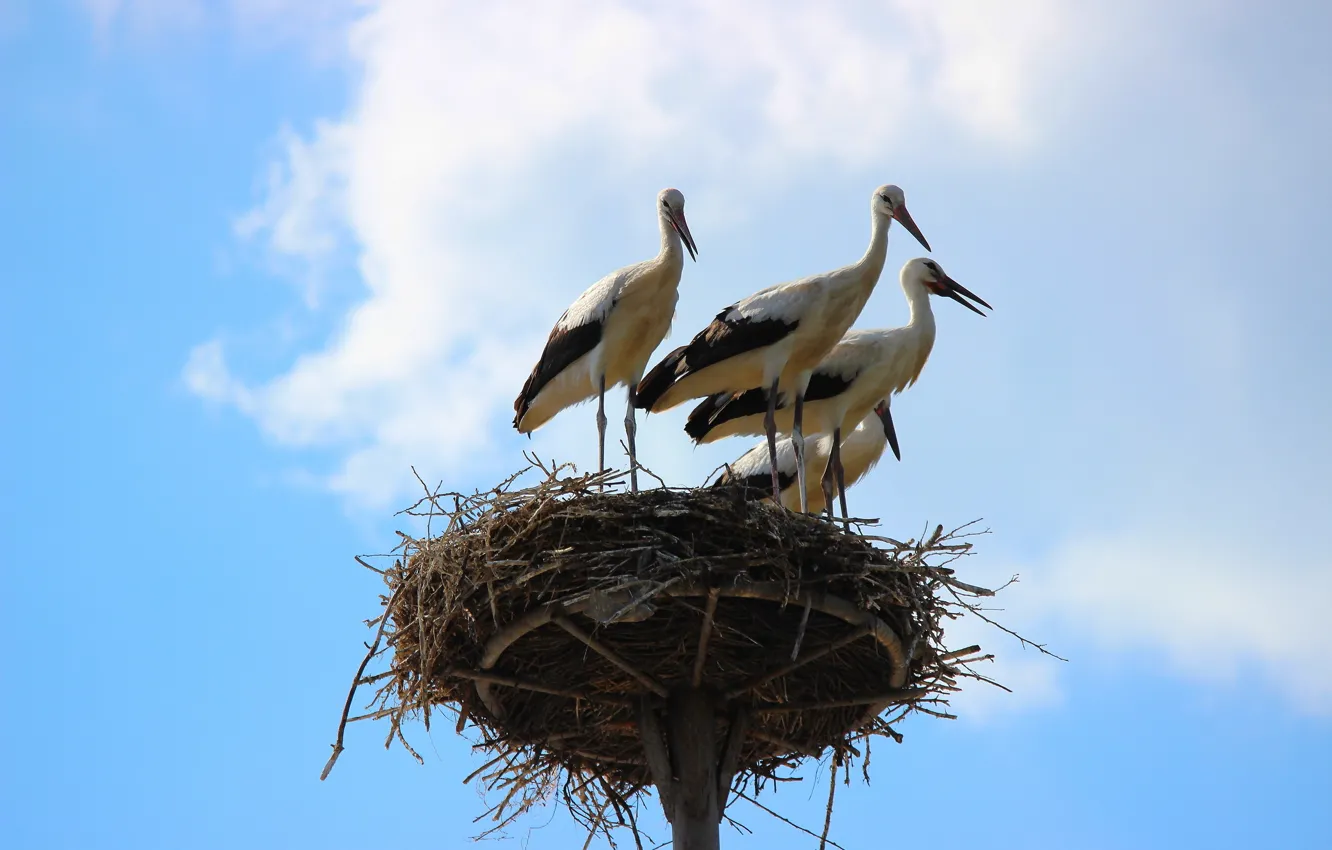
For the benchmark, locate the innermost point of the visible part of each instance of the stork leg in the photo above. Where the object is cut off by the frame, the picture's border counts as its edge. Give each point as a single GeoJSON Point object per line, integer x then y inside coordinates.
{"type": "Point", "coordinates": [841, 482]}
{"type": "Point", "coordinates": [770, 428]}
{"type": "Point", "coordinates": [828, 481]}
{"type": "Point", "coordinates": [601, 428]}
{"type": "Point", "coordinates": [630, 430]}
{"type": "Point", "coordinates": [798, 441]}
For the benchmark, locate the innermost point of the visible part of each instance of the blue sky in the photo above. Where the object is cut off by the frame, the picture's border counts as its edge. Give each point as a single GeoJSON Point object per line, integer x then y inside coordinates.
{"type": "Point", "coordinates": [261, 256]}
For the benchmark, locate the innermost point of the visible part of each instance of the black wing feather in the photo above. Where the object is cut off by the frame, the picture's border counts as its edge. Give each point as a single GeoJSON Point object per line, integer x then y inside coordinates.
{"type": "Point", "coordinates": [656, 382]}
{"type": "Point", "coordinates": [725, 407]}
{"type": "Point", "coordinates": [721, 340]}
{"type": "Point", "coordinates": [563, 347]}
{"type": "Point", "coordinates": [827, 385]}
{"type": "Point", "coordinates": [757, 486]}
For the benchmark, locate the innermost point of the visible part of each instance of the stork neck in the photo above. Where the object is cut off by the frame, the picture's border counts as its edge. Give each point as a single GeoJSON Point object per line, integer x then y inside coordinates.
{"type": "Point", "coordinates": [877, 252]}
{"type": "Point", "coordinates": [918, 299]}
{"type": "Point", "coordinates": [671, 245]}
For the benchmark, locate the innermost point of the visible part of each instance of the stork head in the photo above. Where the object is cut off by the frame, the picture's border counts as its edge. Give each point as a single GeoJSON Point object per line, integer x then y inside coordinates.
{"type": "Point", "coordinates": [885, 415]}
{"type": "Point", "coordinates": [931, 275]}
{"type": "Point", "coordinates": [670, 205]}
{"type": "Point", "coordinates": [890, 201]}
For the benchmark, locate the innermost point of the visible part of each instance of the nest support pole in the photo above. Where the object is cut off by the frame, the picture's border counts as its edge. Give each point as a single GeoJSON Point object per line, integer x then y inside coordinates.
{"type": "Point", "coordinates": [693, 779]}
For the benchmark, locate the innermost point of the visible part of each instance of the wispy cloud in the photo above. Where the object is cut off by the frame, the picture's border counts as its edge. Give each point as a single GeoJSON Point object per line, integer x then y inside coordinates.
{"type": "Point", "coordinates": [320, 25]}
{"type": "Point", "coordinates": [143, 17]}
{"type": "Point", "coordinates": [304, 214]}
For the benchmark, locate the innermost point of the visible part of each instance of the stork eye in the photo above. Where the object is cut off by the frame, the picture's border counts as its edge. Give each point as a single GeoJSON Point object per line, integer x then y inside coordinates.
{"type": "Point", "coordinates": [884, 198]}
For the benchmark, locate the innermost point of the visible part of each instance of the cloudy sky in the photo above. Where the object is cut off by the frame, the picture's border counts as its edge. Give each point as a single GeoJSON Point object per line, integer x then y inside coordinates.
{"type": "Point", "coordinates": [263, 256]}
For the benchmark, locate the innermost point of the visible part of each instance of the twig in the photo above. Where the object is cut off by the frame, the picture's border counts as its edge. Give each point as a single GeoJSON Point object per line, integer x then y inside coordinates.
{"type": "Point", "coordinates": [536, 687]}
{"type": "Point", "coordinates": [782, 743]}
{"type": "Point", "coordinates": [787, 821]}
{"type": "Point", "coordinates": [832, 792]}
{"type": "Point", "coordinates": [902, 695]}
{"type": "Point", "coordinates": [362, 562]}
{"type": "Point", "coordinates": [351, 694]}
{"type": "Point", "coordinates": [959, 653]}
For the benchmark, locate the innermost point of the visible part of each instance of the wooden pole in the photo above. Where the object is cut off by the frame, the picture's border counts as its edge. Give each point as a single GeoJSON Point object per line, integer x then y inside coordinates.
{"type": "Point", "coordinates": [684, 761]}
{"type": "Point", "coordinates": [691, 725]}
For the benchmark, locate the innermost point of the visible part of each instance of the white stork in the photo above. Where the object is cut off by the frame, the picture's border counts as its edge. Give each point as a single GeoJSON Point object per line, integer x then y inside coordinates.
{"type": "Point", "coordinates": [606, 337]}
{"type": "Point", "coordinates": [860, 451]}
{"type": "Point", "coordinates": [865, 367]}
{"type": "Point", "coordinates": [776, 337]}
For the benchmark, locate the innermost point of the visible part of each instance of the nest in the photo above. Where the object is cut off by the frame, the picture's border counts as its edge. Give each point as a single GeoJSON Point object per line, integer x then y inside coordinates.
{"type": "Point", "coordinates": [547, 617]}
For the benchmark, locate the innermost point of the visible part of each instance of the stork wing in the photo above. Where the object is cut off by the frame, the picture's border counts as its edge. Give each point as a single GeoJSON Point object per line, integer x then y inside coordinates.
{"type": "Point", "coordinates": [731, 333]}
{"type": "Point", "coordinates": [725, 407]}
{"type": "Point", "coordinates": [577, 332]}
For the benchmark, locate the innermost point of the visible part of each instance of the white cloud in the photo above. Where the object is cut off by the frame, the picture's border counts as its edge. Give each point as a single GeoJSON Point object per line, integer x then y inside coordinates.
{"type": "Point", "coordinates": [462, 111]}
{"type": "Point", "coordinates": [206, 375]}
{"type": "Point", "coordinates": [1216, 609]}
{"type": "Point", "coordinates": [304, 212]}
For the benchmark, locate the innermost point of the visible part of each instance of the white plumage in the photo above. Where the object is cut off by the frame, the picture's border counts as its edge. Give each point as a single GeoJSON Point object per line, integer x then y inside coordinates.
{"type": "Point", "coordinates": [864, 368]}
{"type": "Point", "coordinates": [776, 337]}
{"type": "Point", "coordinates": [861, 451]}
{"type": "Point", "coordinates": [606, 337]}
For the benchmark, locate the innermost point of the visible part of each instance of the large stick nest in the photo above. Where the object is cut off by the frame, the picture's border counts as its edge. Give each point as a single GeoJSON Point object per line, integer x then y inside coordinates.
{"type": "Point", "coordinates": [548, 616]}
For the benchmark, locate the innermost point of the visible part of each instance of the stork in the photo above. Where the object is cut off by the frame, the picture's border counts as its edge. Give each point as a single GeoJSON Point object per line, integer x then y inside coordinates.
{"type": "Point", "coordinates": [865, 367]}
{"type": "Point", "coordinates": [860, 451]}
{"type": "Point", "coordinates": [776, 337]}
{"type": "Point", "coordinates": [606, 337]}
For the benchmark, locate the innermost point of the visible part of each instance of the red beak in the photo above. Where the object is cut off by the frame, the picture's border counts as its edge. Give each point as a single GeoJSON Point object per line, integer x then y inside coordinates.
{"type": "Point", "coordinates": [886, 416]}
{"type": "Point", "coordinates": [904, 218]}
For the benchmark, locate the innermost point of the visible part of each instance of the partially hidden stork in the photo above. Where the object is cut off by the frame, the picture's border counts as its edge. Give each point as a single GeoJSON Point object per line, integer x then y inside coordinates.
{"type": "Point", "coordinates": [865, 367]}
{"type": "Point", "coordinates": [776, 337]}
{"type": "Point", "coordinates": [860, 451]}
{"type": "Point", "coordinates": [606, 337]}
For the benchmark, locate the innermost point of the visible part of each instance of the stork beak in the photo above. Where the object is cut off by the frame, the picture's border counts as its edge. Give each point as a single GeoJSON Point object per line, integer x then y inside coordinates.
{"type": "Point", "coordinates": [682, 228]}
{"type": "Point", "coordinates": [886, 415]}
{"type": "Point", "coordinates": [955, 291]}
{"type": "Point", "coordinates": [904, 218]}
